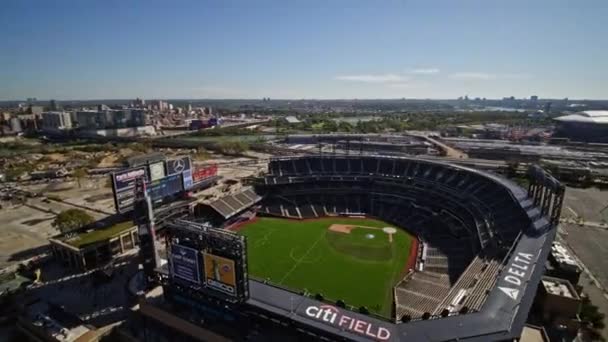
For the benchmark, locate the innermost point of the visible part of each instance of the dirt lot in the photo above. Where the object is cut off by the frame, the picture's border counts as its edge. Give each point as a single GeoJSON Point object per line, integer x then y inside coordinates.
{"type": "Point", "coordinates": [24, 233]}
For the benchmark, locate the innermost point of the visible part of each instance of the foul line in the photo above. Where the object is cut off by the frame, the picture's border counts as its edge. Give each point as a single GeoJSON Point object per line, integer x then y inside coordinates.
{"type": "Point", "coordinates": [301, 258]}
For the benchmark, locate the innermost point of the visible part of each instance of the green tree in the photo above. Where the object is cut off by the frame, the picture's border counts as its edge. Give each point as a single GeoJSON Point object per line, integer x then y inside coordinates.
{"type": "Point", "coordinates": [344, 126]}
{"type": "Point", "coordinates": [234, 147]}
{"type": "Point", "coordinates": [79, 174]}
{"type": "Point", "coordinates": [108, 182]}
{"type": "Point", "coordinates": [72, 219]}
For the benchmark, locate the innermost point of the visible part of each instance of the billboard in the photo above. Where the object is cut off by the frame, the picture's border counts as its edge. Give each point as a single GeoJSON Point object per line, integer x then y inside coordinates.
{"type": "Point", "coordinates": [178, 165]}
{"type": "Point", "coordinates": [222, 260]}
{"type": "Point", "coordinates": [184, 263]}
{"type": "Point", "coordinates": [126, 179]}
{"type": "Point", "coordinates": [220, 273]}
{"type": "Point", "coordinates": [202, 173]}
{"type": "Point", "coordinates": [165, 187]}
{"type": "Point", "coordinates": [157, 171]}
{"type": "Point", "coordinates": [187, 177]}
{"type": "Point", "coordinates": [123, 183]}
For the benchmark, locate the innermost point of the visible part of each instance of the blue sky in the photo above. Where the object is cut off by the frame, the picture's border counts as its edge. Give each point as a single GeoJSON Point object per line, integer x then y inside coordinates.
{"type": "Point", "coordinates": [303, 49]}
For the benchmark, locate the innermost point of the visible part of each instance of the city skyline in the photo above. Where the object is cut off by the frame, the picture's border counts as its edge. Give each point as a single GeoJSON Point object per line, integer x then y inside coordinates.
{"type": "Point", "coordinates": [312, 50]}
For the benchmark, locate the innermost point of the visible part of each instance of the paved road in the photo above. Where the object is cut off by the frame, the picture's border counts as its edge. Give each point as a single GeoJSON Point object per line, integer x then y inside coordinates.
{"type": "Point", "coordinates": [589, 246]}
{"type": "Point", "coordinates": [23, 230]}
{"type": "Point", "coordinates": [450, 151]}
{"type": "Point", "coordinates": [592, 224]}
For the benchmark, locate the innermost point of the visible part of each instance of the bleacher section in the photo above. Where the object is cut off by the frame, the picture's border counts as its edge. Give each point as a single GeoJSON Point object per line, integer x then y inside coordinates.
{"type": "Point", "coordinates": [467, 220]}
{"type": "Point", "coordinates": [231, 205]}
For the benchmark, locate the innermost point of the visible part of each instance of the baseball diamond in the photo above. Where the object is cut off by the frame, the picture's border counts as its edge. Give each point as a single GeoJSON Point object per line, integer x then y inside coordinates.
{"type": "Point", "coordinates": [311, 256]}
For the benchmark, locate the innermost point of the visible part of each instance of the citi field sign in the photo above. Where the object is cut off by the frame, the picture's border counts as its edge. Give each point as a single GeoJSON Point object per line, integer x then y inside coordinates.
{"type": "Point", "coordinates": [333, 316]}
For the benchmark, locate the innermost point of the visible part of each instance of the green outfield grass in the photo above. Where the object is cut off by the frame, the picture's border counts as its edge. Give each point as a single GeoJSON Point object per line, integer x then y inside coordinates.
{"type": "Point", "coordinates": [358, 268]}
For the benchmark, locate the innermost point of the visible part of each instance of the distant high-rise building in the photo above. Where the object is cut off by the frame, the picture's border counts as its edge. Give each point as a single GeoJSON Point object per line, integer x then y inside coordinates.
{"type": "Point", "coordinates": [138, 117]}
{"type": "Point", "coordinates": [139, 102]}
{"type": "Point", "coordinates": [53, 106]}
{"type": "Point", "coordinates": [161, 105]}
{"type": "Point", "coordinates": [31, 99]}
{"type": "Point", "coordinates": [56, 121]}
{"type": "Point", "coordinates": [93, 119]}
{"type": "Point", "coordinates": [534, 98]}
{"type": "Point", "coordinates": [547, 107]}
{"type": "Point", "coordinates": [189, 107]}
{"type": "Point", "coordinates": [15, 124]}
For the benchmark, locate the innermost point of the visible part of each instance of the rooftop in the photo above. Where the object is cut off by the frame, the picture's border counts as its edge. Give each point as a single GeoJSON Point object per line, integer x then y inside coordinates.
{"type": "Point", "coordinates": [292, 119]}
{"type": "Point", "coordinates": [58, 324]}
{"type": "Point", "coordinates": [533, 334]}
{"type": "Point", "coordinates": [559, 287]}
{"type": "Point", "coordinates": [588, 116]}
{"type": "Point", "coordinates": [12, 282]}
{"type": "Point", "coordinates": [97, 235]}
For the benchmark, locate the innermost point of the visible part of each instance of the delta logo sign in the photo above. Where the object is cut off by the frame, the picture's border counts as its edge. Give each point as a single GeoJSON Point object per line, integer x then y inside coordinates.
{"type": "Point", "coordinates": [333, 316]}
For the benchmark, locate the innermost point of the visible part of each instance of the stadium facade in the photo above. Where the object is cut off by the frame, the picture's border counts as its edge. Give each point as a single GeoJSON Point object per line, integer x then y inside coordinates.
{"type": "Point", "coordinates": [590, 125]}
{"type": "Point", "coordinates": [484, 243]}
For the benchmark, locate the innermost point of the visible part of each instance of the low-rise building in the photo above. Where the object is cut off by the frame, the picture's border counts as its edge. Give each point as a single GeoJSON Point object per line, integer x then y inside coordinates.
{"type": "Point", "coordinates": [93, 248]}
{"type": "Point", "coordinates": [49, 174]}
{"type": "Point", "coordinates": [533, 333]}
{"type": "Point", "coordinates": [43, 321]}
{"type": "Point", "coordinates": [559, 303]}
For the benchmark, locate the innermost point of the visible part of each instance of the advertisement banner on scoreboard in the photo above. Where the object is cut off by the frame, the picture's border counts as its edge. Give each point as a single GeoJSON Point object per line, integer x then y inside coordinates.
{"type": "Point", "coordinates": [187, 177]}
{"type": "Point", "coordinates": [126, 179]}
{"type": "Point", "coordinates": [184, 263]}
{"type": "Point", "coordinates": [123, 183]}
{"type": "Point", "coordinates": [220, 273]}
{"type": "Point", "coordinates": [203, 172]}
{"type": "Point", "coordinates": [157, 171]}
{"type": "Point", "coordinates": [165, 187]}
{"type": "Point", "coordinates": [178, 165]}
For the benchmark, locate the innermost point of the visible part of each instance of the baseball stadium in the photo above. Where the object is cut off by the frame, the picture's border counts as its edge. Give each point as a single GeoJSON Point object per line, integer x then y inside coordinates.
{"type": "Point", "coordinates": [378, 248]}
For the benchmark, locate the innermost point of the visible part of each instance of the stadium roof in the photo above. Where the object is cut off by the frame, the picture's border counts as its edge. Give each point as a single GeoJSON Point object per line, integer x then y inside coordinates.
{"type": "Point", "coordinates": [588, 116]}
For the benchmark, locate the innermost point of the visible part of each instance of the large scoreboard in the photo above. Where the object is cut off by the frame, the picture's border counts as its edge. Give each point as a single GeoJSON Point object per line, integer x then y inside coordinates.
{"type": "Point", "coordinates": [162, 178]}
{"type": "Point", "coordinates": [208, 261]}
